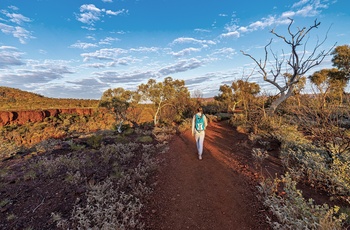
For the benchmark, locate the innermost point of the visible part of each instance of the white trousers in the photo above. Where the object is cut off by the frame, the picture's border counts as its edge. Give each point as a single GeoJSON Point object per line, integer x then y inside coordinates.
{"type": "Point", "coordinates": [199, 137]}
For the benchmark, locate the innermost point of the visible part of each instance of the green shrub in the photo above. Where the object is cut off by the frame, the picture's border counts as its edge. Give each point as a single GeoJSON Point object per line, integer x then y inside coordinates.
{"type": "Point", "coordinates": [145, 139]}
{"type": "Point", "coordinates": [292, 211]}
{"type": "Point", "coordinates": [319, 168]}
{"type": "Point", "coordinates": [94, 141]}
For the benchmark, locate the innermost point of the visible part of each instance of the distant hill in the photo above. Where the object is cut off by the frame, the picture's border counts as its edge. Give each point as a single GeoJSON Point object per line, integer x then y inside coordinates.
{"type": "Point", "coordinates": [16, 99]}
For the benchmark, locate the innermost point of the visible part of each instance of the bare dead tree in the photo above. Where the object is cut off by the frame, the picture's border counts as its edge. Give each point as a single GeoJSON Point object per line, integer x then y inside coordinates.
{"type": "Point", "coordinates": [197, 94]}
{"type": "Point", "coordinates": [299, 62]}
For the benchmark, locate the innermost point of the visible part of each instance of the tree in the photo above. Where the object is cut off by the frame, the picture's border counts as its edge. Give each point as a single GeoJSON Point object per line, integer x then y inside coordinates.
{"type": "Point", "coordinates": [244, 92]}
{"type": "Point", "coordinates": [226, 97]}
{"type": "Point", "coordinates": [118, 101]}
{"type": "Point", "coordinates": [322, 82]}
{"type": "Point", "coordinates": [167, 93]}
{"type": "Point", "coordinates": [240, 91]}
{"type": "Point", "coordinates": [197, 94]}
{"type": "Point", "coordinates": [299, 62]}
{"type": "Point", "coordinates": [298, 86]}
{"type": "Point", "coordinates": [329, 82]}
{"type": "Point", "coordinates": [341, 60]}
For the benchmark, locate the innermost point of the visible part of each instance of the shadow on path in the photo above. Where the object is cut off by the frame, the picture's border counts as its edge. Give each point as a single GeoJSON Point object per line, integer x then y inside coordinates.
{"type": "Point", "coordinates": [213, 193]}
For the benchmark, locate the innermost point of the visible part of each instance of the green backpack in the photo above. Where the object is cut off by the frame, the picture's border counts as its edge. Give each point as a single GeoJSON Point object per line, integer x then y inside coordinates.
{"type": "Point", "coordinates": [200, 125]}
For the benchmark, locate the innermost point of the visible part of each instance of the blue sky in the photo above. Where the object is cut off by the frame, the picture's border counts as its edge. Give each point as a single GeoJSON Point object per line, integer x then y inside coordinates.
{"type": "Point", "coordinates": [80, 48]}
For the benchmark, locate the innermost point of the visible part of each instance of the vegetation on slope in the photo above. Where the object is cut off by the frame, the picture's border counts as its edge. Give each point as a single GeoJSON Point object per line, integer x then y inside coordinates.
{"type": "Point", "coordinates": [15, 99]}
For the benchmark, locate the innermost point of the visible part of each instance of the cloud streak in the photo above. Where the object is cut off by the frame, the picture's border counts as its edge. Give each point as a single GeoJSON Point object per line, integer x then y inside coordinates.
{"type": "Point", "coordinates": [13, 25]}
{"type": "Point", "coordinates": [90, 14]}
{"type": "Point", "coordinates": [10, 56]}
{"type": "Point", "coordinates": [181, 66]}
{"type": "Point", "coordinates": [303, 8]}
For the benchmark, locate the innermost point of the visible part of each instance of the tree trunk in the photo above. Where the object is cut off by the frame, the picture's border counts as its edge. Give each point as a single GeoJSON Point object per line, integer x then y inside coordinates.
{"type": "Point", "coordinates": [278, 101]}
{"type": "Point", "coordinates": [156, 115]}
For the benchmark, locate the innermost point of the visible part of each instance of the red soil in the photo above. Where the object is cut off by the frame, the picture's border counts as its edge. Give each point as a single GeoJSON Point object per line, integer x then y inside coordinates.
{"type": "Point", "coordinates": [218, 192]}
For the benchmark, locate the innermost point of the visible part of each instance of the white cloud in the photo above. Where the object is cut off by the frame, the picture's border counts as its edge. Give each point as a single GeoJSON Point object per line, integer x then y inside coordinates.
{"type": "Point", "coordinates": [115, 13]}
{"type": "Point", "coordinates": [110, 1]}
{"type": "Point", "coordinates": [185, 52]}
{"type": "Point", "coordinates": [124, 61]}
{"type": "Point", "coordinates": [300, 3]}
{"type": "Point", "coordinates": [108, 41]}
{"type": "Point", "coordinates": [18, 32]}
{"type": "Point", "coordinates": [15, 30]}
{"type": "Point", "coordinates": [36, 72]}
{"type": "Point", "coordinates": [96, 65]}
{"type": "Point", "coordinates": [230, 34]}
{"type": "Point", "coordinates": [288, 14]}
{"type": "Point", "coordinates": [303, 8]}
{"type": "Point", "coordinates": [117, 55]}
{"type": "Point", "coordinates": [226, 51]}
{"type": "Point", "coordinates": [269, 21]}
{"type": "Point", "coordinates": [310, 8]}
{"type": "Point", "coordinates": [243, 29]}
{"type": "Point", "coordinates": [89, 28]}
{"type": "Point", "coordinates": [89, 14]}
{"type": "Point", "coordinates": [10, 56]}
{"type": "Point", "coordinates": [181, 66]}
{"type": "Point", "coordinates": [145, 49]}
{"type": "Point", "coordinates": [193, 41]}
{"type": "Point", "coordinates": [90, 8]}
{"type": "Point", "coordinates": [202, 30]}
{"type": "Point", "coordinates": [91, 37]}
{"type": "Point", "coordinates": [307, 11]}
{"type": "Point", "coordinates": [131, 77]}
{"type": "Point", "coordinates": [6, 28]}
{"type": "Point", "coordinates": [16, 18]}
{"type": "Point", "coordinates": [104, 54]}
{"type": "Point", "coordinates": [83, 45]}
{"type": "Point", "coordinates": [15, 8]}
{"type": "Point", "coordinates": [22, 34]}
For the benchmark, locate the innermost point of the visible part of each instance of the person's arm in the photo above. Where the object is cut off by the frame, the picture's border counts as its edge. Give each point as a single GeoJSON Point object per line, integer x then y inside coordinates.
{"type": "Point", "coordinates": [193, 124]}
{"type": "Point", "coordinates": [205, 122]}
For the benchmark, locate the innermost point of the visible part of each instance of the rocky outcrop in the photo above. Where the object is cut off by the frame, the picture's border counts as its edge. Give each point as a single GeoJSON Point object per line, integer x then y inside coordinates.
{"type": "Point", "coordinates": [22, 117]}
{"type": "Point", "coordinates": [6, 118]}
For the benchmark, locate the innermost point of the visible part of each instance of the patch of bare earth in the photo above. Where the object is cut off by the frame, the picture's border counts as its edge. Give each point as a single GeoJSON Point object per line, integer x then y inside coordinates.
{"type": "Point", "coordinates": [218, 192]}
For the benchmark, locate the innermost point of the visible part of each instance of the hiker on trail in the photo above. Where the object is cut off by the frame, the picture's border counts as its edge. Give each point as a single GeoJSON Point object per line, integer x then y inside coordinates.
{"type": "Point", "coordinates": [199, 123]}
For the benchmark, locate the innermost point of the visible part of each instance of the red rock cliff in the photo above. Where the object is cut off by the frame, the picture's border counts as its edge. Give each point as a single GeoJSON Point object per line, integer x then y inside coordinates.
{"type": "Point", "coordinates": [22, 117]}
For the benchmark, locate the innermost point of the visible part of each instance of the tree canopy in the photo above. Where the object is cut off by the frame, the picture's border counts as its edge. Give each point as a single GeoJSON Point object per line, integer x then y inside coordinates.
{"type": "Point", "coordinates": [170, 92]}
{"type": "Point", "coordinates": [118, 101]}
{"type": "Point", "coordinates": [341, 60]}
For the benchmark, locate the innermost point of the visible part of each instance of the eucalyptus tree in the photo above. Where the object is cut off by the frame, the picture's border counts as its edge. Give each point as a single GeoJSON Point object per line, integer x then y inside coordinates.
{"type": "Point", "coordinates": [226, 97]}
{"type": "Point", "coordinates": [244, 91]}
{"type": "Point", "coordinates": [118, 101]}
{"type": "Point", "coordinates": [170, 92]}
{"type": "Point", "coordinates": [329, 82]}
{"type": "Point", "coordinates": [341, 59]}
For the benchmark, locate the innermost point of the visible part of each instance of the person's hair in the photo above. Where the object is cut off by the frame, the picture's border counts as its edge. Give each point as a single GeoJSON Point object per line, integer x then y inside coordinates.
{"type": "Point", "coordinates": [199, 109]}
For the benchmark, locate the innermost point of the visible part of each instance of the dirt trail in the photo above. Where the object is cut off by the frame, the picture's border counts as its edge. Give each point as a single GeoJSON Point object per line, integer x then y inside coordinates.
{"type": "Point", "coordinates": [217, 192]}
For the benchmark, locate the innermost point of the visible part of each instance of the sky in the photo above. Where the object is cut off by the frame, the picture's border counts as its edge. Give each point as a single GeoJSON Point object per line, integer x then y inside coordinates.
{"type": "Point", "coordinates": [80, 48]}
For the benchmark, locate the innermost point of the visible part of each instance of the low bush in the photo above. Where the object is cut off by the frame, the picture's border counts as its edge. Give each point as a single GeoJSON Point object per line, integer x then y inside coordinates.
{"type": "Point", "coordinates": [292, 211]}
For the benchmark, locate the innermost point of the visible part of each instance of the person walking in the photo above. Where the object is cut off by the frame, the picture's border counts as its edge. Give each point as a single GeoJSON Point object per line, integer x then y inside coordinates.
{"type": "Point", "coordinates": [199, 124]}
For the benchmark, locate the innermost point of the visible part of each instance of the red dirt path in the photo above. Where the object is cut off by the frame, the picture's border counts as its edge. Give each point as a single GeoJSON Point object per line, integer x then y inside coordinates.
{"type": "Point", "coordinates": [218, 192]}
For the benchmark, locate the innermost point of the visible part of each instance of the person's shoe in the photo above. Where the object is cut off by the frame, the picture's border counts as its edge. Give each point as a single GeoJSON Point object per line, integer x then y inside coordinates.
{"type": "Point", "coordinates": [200, 157]}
